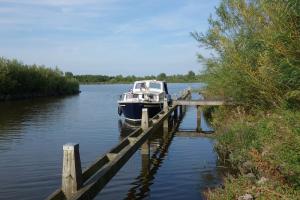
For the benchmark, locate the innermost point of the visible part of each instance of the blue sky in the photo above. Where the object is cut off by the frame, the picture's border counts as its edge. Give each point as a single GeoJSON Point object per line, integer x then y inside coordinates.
{"type": "Point", "coordinates": [140, 37]}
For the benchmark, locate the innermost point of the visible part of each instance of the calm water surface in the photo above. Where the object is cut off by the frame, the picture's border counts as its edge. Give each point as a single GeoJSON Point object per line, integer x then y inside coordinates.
{"type": "Point", "coordinates": [32, 133]}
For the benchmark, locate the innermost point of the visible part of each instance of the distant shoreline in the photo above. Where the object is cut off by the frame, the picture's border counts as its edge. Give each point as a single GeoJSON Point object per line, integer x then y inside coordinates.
{"type": "Point", "coordinates": [190, 77]}
{"type": "Point", "coordinates": [114, 83]}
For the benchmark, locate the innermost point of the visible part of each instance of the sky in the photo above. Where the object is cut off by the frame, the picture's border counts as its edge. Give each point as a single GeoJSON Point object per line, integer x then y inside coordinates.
{"type": "Point", "coordinates": [128, 37]}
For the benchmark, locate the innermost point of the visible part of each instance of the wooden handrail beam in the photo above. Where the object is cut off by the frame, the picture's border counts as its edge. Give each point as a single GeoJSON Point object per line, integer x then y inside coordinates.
{"type": "Point", "coordinates": [201, 102]}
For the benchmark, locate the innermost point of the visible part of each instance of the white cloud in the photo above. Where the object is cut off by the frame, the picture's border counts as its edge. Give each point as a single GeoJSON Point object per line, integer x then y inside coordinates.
{"type": "Point", "coordinates": [58, 2]}
{"type": "Point", "coordinates": [53, 12]}
{"type": "Point", "coordinates": [180, 21]}
{"type": "Point", "coordinates": [102, 36]}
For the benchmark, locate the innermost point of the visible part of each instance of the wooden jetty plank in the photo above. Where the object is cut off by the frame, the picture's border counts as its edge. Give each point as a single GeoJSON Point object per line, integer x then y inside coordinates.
{"type": "Point", "coordinates": [201, 102]}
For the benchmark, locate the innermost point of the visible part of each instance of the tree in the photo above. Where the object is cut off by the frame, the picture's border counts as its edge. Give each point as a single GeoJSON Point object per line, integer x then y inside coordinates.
{"type": "Point", "coordinates": [191, 75]}
{"type": "Point", "coordinates": [162, 76]}
{"type": "Point", "coordinates": [255, 42]}
{"type": "Point", "coordinates": [69, 74]}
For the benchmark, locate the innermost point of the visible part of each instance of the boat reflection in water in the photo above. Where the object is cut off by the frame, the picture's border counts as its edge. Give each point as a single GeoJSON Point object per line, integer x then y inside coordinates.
{"type": "Point", "coordinates": [150, 163]}
{"type": "Point", "coordinates": [127, 127]}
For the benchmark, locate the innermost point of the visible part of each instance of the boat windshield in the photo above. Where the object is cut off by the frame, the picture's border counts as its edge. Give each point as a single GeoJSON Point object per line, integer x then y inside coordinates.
{"type": "Point", "coordinates": [154, 85]}
{"type": "Point", "coordinates": [140, 85]}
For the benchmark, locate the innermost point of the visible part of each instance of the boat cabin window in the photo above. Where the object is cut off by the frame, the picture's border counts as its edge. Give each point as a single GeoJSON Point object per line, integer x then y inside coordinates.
{"type": "Point", "coordinates": [155, 86]}
{"type": "Point", "coordinates": [140, 86]}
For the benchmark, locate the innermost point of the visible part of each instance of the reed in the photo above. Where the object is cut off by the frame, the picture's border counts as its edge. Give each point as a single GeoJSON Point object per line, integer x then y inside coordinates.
{"type": "Point", "coordinates": [18, 80]}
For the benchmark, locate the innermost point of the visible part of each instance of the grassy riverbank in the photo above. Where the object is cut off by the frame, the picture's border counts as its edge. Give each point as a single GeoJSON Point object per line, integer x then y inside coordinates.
{"type": "Point", "coordinates": [264, 151]}
{"type": "Point", "coordinates": [19, 81]}
{"type": "Point", "coordinates": [256, 64]}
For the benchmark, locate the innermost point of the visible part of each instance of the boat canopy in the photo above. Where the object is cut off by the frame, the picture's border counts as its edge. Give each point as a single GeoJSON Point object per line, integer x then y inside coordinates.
{"type": "Point", "coordinates": [150, 86]}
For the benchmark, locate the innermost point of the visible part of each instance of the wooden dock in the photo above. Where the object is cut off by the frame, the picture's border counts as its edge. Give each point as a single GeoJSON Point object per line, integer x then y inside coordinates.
{"type": "Point", "coordinates": [86, 184]}
{"type": "Point", "coordinates": [201, 102]}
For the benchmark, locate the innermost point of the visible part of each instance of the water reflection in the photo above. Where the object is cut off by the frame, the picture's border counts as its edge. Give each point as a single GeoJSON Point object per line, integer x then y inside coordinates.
{"type": "Point", "coordinates": [150, 166]}
{"type": "Point", "coordinates": [125, 128]}
{"type": "Point", "coordinates": [15, 116]}
{"type": "Point", "coordinates": [32, 133]}
{"type": "Point", "coordinates": [150, 163]}
{"type": "Point", "coordinates": [142, 186]}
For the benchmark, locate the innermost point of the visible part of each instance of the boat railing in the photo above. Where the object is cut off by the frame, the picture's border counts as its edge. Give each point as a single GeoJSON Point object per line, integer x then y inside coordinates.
{"type": "Point", "coordinates": [133, 97]}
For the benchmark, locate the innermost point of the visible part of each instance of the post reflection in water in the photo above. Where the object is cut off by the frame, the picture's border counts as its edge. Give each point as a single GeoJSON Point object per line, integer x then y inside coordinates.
{"type": "Point", "coordinates": [150, 163]}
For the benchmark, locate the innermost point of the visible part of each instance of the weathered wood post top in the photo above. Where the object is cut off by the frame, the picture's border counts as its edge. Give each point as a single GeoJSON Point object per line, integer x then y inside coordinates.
{"type": "Point", "coordinates": [70, 146]}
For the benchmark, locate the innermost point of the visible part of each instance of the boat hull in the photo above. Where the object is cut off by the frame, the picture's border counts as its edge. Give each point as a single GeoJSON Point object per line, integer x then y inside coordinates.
{"type": "Point", "coordinates": [133, 111]}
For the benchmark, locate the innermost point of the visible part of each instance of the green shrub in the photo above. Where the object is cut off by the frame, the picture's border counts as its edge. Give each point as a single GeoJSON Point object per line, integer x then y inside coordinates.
{"type": "Point", "coordinates": [256, 46]}
{"type": "Point", "coordinates": [17, 79]}
{"type": "Point", "coordinates": [275, 136]}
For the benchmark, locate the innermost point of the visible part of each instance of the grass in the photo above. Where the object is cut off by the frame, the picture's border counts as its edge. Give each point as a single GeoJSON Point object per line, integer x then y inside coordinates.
{"type": "Point", "coordinates": [263, 145]}
{"type": "Point", "coordinates": [237, 187]}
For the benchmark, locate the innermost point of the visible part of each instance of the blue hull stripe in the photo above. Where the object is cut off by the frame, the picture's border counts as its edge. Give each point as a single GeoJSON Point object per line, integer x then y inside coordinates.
{"type": "Point", "coordinates": [133, 111]}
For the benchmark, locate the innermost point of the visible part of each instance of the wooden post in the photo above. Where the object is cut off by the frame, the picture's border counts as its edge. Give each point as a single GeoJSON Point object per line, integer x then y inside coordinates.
{"type": "Point", "coordinates": [71, 172]}
{"type": "Point", "coordinates": [166, 121]}
{"type": "Point", "coordinates": [176, 113]}
{"type": "Point", "coordinates": [145, 164]}
{"type": "Point", "coordinates": [166, 106]}
{"type": "Point", "coordinates": [198, 118]}
{"type": "Point", "coordinates": [180, 111]}
{"type": "Point", "coordinates": [145, 149]}
{"type": "Point", "coordinates": [145, 119]}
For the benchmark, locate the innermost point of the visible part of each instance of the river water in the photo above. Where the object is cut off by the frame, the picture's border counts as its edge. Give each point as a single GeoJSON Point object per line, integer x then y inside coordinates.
{"type": "Point", "coordinates": [32, 133]}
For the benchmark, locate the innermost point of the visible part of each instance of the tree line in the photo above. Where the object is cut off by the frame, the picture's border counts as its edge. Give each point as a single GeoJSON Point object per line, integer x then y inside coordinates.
{"type": "Point", "coordinates": [189, 77]}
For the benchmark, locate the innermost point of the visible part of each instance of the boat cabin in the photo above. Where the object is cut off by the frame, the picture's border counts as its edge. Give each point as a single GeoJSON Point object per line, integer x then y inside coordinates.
{"type": "Point", "coordinates": [147, 90]}
{"type": "Point", "coordinates": [150, 86]}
